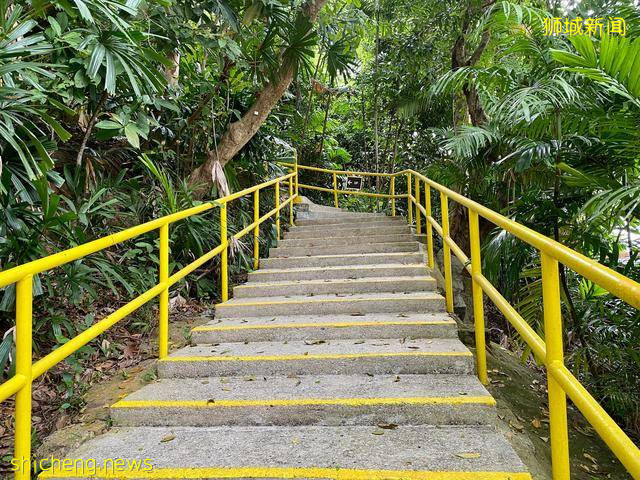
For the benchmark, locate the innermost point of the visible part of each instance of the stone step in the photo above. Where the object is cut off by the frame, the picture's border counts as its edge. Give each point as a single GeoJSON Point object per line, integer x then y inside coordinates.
{"type": "Point", "coordinates": [316, 357]}
{"type": "Point", "coordinates": [339, 213]}
{"type": "Point", "coordinates": [348, 220]}
{"type": "Point", "coordinates": [309, 400]}
{"type": "Point", "coordinates": [307, 452]}
{"type": "Point", "coordinates": [342, 260]}
{"type": "Point", "coordinates": [313, 242]}
{"type": "Point", "coordinates": [345, 231]}
{"type": "Point", "coordinates": [338, 272]}
{"type": "Point", "coordinates": [328, 287]}
{"type": "Point", "coordinates": [332, 304]}
{"type": "Point", "coordinates": [361, 247]}
{"type": "Point", "coordinates": [325, 327]}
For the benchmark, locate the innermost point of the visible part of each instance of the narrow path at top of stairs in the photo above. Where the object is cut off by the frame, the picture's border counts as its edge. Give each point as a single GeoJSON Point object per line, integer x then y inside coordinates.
{"type": "Point", "coordinates": [336, 360]}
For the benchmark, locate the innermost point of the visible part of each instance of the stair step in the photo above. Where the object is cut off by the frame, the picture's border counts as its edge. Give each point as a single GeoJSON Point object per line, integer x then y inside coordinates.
{"type": "Point", "coordinates": [342, 260]}
{"type": "Point", "coordinates": [366, 230]}
{"type": "Point", "coordinates": [375, 357]}
{"type": "Point", "coordinates": [326, 327]}
{"type": "Point", "coordinates": [345, 240]}
{"type": "Point", "coordinates": [337, 272]}
{"type": "Point", "coordinates": [330, 304]}
{"type": "Point", "coordinates": [309, 400]}
{"type": "Point", "coordinates": [327, 287]}
{"type": "Point", "coordinates": [309, 452]}
{"type": "Point", "coordinates": [348, 220]}
{"type": "Point", "coordinates": [360, 247]}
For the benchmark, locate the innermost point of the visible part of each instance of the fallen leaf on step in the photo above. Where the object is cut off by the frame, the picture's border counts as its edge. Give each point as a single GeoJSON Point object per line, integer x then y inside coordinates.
{"type": "Point", "coordinates": [589, 468]}
{"type": "Point", "coordinates": [402, 315]}
{"type": "Point", "coordinates": [357, 314]}
{"type": "Point", "coordinates": [589, 457]}
{"type": "Point", "coordinates": [468, 455]}
{"type": "Point", "coordinates": [544, 439]}
{"type": "Point", "coordinates": [205, 382]}
{"type": "Point", "coordinates": [536, 423]}
{"type": "Point", "coordinates": [211, 401]}
{"type": "Point", "coordinates": [413, 347]}
{"type": "Point", "coordinates": [358, 342]}
{"type": "Point", "coordinates": [378, 431]}
{"type": "Point", "coordinates": [249, 379]}
{"type": "Point", "coordinates": [397, 379]}
{"type": "Point", "coordinates": [516, 425]}
{"type": "Point", "coordinates": [462, 393]}
{"type": "Point", "coordinates": [387, 426]}
{"type": "Point", "coordinates": [167, 438]}
{"type": "Point", "coordinates": [314, 342]}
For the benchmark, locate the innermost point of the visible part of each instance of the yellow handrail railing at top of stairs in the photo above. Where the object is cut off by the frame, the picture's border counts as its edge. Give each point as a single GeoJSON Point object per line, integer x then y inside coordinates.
{"type": "Point", "coordinates": [26, 371]}
{"type": "Point", "coordinates": [561, 382]}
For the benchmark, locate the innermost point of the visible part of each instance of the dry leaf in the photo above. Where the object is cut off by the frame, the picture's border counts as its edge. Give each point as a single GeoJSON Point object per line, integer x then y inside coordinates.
{"type": "Point", "coordinates": [167, 438]}
{"type": "Point", "coordinates": [388, 426]}
{"type": "Point", "coordinates": [468, 455]}
{"type": "Point", "coordinates": [536, 423]}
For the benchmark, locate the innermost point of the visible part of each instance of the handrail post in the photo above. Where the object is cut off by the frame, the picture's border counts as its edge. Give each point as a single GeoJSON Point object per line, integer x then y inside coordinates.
{"type": "Point", "coordinates": [24, 361]}
{"type": "Point", "coordinates": [335, 190]}
{"type": "Point", "coordinates": [446, 250]}
{"type": "Point", "coordinates": [417, 202]}
{"type": "Point", "coordinates": [409, 200]}
{"type": "Point", "coordinates": [278, 210]}
{"type": "Point", "coordinates": [224, 255]}
{"type": "Point", "coordinates": [297, 180]}
{"type": "Point", "coordinates": [553, 340]}
{"type": "Point", "coordinates": [427, 207]}
{"type": "Point", "coordinates": [163, 321]}
{"type": "Point", "coordinates": [291, 202]}
{"type": "Point", "coordinates": [392, 191]}
{"type": "Point", "coordinates": [256, 229]}
{"type": "Point", "coordinates": [478, 305]}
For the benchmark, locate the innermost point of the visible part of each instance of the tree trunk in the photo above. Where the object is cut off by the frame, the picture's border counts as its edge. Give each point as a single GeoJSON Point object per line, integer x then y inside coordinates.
{"type": "Point", "coordinates": [239, 133]}
{"type": "Point", "coordinates": [172, 73]}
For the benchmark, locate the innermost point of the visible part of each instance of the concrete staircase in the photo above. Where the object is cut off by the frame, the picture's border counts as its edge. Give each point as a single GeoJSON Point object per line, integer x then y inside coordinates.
{"type": "Point", "coordinates": [336, 360]}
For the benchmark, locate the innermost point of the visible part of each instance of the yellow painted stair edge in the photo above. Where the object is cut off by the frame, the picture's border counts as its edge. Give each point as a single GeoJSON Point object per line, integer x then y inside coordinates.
{"type": "Point", "coordinates": [350, 402]}
{"type": "Point", "coordinates": [288, 473]}
{"type": "Point", "coordinates": [327, 356]}
{"type": "Point", "coordinates": [222, 328]}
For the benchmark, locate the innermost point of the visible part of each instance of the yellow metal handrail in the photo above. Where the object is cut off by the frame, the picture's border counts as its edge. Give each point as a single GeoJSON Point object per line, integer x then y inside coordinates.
{"type": "Point", "coordinates": [27, 371]}
{"type": "Point", "coordinates": [561, 382]}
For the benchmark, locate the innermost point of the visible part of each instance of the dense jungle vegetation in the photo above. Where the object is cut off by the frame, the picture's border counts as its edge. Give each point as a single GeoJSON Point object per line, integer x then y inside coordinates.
{"type": "Point", "coordinates": [113, 112]}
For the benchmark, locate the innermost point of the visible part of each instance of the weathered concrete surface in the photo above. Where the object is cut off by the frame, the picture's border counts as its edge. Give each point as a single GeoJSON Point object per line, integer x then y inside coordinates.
{"type": "Point", "coordinates": [337, 272]}
{"type": "Point", "coordinates": [349, 220]}
{"type": "Point", "coordinates": [384, 302]}
{"type": "Point", "coordinates": [309, 400]}
{"type": "Point", "coordinates": [330, 286]}
{"type": "Point", "coordinates": [376, 357]}
{"type": "Point", "coordinates": [352, 231]}
{"type": "Point", "coordinates": [342, 260]}
{"type": "Point", "coordinates": [339, 239]}
{"type": "Point", "coordinates": [361, 247]}
{"type": "Point", "coordinates": [413, 448]}
{"type": "Point", "coordinates": [325, 327]}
